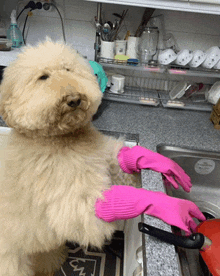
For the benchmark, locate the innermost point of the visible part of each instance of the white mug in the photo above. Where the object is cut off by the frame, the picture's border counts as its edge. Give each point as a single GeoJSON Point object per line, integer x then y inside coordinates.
{"type": "Point", "coordinates": [120, 47]}
{"type": "Point", "coordinates": [117, 84]}
{"type": "Point", "coordinates": [107, 49]}
{"type": "Point", "coordinates": [132, 46]}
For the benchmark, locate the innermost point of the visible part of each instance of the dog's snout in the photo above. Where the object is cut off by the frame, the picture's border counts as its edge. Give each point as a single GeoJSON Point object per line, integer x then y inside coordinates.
{"type": "Point", "coordinates": [73, 101]}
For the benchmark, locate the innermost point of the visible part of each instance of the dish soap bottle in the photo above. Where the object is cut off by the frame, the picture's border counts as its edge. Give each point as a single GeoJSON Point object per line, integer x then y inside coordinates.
{"type": "Point", "coordinates": [14, 33]}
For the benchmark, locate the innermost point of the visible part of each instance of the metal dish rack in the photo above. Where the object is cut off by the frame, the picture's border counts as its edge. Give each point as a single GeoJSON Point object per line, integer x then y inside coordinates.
{"type": "Point", "coordinates": [134, 95]}
{"type": "Point", "coordinates": [148, 90]}
{"type": "Point", "coordinates": [171, 68]}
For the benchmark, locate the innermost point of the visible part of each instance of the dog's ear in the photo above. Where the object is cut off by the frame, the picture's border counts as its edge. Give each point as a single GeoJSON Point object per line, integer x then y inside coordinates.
{"type": "Point", "coordinates": [5, 95]}
{"type": "Point", "coordinates": [1, 105]}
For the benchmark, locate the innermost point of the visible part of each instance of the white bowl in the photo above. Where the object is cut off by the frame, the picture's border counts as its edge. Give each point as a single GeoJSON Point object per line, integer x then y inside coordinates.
{"type": "Point", "coordinates": [217, 66]}
{"type": "Point", "coordinates": [212, 57]}
{"type": "Point", "coordinates": [184, 57]}
{"type": "Point", "coordinates": [198, 58]}
{"type": "Point", "coordinates": [166, 57]}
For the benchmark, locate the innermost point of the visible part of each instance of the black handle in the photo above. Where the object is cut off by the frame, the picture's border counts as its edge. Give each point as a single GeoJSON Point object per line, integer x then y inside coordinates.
{"type": "Point", "coordinates": [194, 241]}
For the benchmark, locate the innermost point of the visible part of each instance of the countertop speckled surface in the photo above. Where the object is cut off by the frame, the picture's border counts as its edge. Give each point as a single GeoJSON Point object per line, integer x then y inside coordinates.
{"type": "Point", "coordinates": [156, 125]}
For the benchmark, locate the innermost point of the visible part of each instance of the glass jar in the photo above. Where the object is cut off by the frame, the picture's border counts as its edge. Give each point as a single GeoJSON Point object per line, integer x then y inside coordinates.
{"type": "Point", "coordinates": [148, 44]}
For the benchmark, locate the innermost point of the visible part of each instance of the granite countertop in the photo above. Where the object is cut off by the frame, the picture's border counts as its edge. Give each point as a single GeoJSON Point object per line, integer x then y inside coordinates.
{"type": "Point", "coordinates": [156, 125]}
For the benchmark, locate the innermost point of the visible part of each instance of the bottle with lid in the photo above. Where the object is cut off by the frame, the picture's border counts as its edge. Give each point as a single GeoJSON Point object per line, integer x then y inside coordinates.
{"type": "Point", "coordinates": [13, 33]}
{"type": "Point", "coordinates": [148, 44]}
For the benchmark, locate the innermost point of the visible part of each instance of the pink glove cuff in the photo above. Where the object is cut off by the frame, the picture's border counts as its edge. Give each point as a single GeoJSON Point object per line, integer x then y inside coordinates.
{"type": "Point", "coordinates": [127, 161]}
{"type": "Point", "coordinates": [120, 202]}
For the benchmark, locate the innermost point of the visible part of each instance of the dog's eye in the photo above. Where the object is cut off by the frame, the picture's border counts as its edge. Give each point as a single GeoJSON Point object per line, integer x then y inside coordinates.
{"type": "Point", "coordinates": [44, 77]}
{"type": "Point", "coordinates": [67, 69]}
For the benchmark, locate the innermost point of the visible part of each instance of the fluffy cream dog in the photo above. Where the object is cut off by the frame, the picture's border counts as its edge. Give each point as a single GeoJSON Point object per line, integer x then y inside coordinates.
{"type": "Point", "coordinates": [56, 163]}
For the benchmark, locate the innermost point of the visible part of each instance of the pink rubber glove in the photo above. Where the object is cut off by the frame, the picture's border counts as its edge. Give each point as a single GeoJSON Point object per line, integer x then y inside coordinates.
{"type": "Point", "coordinates": [137, 158]}
{"type": "Point", "coordinates": [126, 202]}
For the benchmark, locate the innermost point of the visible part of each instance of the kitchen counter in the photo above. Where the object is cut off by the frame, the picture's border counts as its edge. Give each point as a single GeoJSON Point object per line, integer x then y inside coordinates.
{"type": "Point", "coordinates": [156, 125]}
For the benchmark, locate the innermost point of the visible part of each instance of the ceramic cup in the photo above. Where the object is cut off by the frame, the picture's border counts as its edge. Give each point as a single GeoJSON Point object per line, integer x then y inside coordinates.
{"type": "Point", "coordinates": [107, 49]}
{"type": "Point", "coordinates": [117, 84]}
{"type": "Point", "coordinates": [120, 47]}
{"type": "Point", "coordinates": [132, 47]}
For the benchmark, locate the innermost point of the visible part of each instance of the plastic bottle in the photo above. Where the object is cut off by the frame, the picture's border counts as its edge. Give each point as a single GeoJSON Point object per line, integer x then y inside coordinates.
{"type": "Point", "coordinates": [14, 33]}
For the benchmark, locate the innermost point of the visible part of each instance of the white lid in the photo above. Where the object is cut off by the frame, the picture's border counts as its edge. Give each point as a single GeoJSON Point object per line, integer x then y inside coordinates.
{"type": "Point", "coordinates": [119, 77]}
{"type": "Point", "coordinates": [179, 90]}
{"type": "Point", "coordinates": [13, 17]}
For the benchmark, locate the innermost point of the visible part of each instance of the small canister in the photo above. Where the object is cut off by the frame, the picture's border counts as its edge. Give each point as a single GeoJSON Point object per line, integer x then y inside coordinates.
{"type": "Point", "coordinates": [117, 84]}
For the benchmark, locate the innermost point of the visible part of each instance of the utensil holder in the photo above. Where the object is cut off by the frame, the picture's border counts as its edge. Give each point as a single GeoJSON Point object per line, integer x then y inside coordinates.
{"type": "Point", "coordinates": [107, 49]}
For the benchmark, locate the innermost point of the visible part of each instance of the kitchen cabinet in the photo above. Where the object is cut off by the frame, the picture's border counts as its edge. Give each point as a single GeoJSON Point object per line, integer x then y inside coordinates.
{"type": "Point", "coordinates": [217, 2]}
{"type": "Point", "coordinates": [133, 257]}
{"type": "Point", "coordinates": [198, 6]}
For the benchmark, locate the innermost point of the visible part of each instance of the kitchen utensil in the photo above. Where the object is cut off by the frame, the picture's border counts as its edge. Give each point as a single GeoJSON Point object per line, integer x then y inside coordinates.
{"type": "Point", "coordinates": [117, 84]}
{"type": "Point", "coordinates": [122, 17]}
{"type": "Point", "coordinates": [206, 239]}
{"type": "Point", "coordinates": [198, 58]}
{"type": "Point", "coordinates": [117, 14]}
{"type": "Point", "coordinates": [212, 57]}
{"type": "Point", "coordinates": [107, 49]}
{"type": "Point", "coordinates": [167, 56]}
{"type": "Point", "coordinates": [148, 44]}
{"type": "Point", "coordinates": [120, 47]}
{"type": "Point", "coordinates": [128, 33]}
{"type": "Point", "coordinates": [110, 24]}
{"type": "Point", "coordinates": [194, 241]}
{"type": "Point", "coordinates": [106, 28]}
{"type": "Point", "coordinates": [184, 57]}
{"type": "Point", "coordinates": [211, 256]}
{"type": "Point", "coordinates": [97, 24]}
{"type": "Point", "coordinates": [115, 24]}
{"type": "Point", "coordinates": [132, 46]}
{"type": "Point", "coordinates": [145, 18]}
{"type": "Point", "coordinates": [105, 32]}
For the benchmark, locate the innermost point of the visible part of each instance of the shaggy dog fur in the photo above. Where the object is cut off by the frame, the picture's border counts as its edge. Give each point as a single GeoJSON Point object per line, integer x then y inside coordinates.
{"type": "Point", "coordinates": [56, 164]}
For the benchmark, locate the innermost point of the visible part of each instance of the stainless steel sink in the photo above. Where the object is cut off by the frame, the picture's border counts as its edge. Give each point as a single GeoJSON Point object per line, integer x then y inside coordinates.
{"type": "Point", "coordinates": [204, 169]}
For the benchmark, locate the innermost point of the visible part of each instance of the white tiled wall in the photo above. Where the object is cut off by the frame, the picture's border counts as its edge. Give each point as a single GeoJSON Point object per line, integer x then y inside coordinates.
{"type": "Point", "coordinates": [192, 31]}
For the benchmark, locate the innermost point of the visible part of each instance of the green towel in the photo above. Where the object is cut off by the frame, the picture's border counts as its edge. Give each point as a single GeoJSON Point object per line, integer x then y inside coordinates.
{"type": "Point", "coordinates": [100, 73]}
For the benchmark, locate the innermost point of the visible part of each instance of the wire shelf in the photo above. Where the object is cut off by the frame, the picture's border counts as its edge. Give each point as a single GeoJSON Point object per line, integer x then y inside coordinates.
{"type": "Point", "coordinates": [197, 102]}
{"type": "Point", "coordinates": [137, 95]}
{"type": "Point", "coordinates": [134, 95]}
{"type": "Point", "coordinates": [172, 69]}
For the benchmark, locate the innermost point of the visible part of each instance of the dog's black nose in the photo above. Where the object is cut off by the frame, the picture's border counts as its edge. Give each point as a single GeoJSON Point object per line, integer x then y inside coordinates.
{"type": "Point", "coordinates": [74, 102]}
